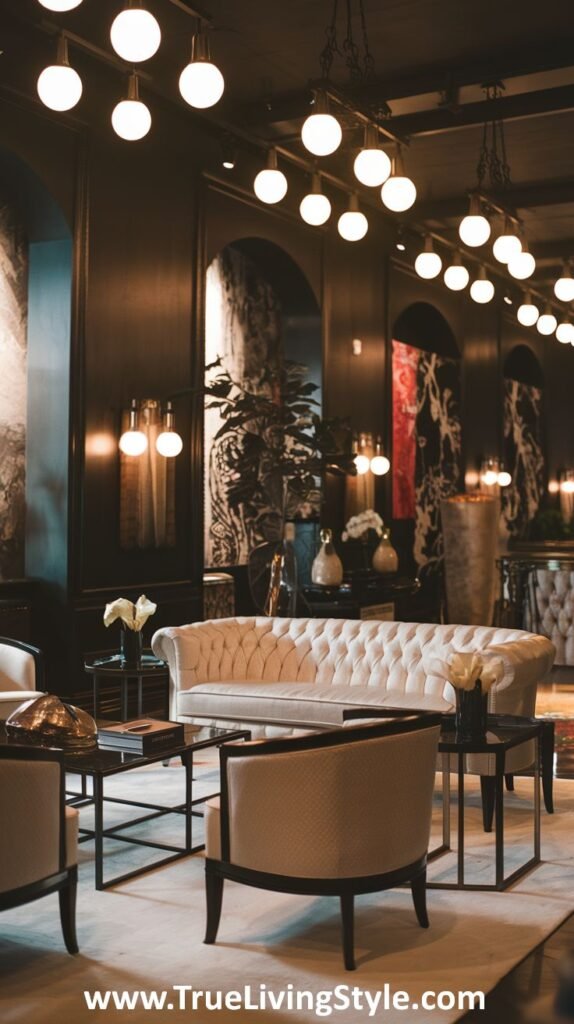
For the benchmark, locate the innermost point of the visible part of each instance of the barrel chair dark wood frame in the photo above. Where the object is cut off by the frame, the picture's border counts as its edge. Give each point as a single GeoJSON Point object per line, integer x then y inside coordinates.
{"type": "Point", "coordinates": [65, 880]}
{"type": "Point", "coordinates": [216, 871]}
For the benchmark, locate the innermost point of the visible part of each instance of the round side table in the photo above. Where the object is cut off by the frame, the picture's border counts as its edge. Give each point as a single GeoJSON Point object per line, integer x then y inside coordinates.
{"type": "Point", "coordinates": [111, 667]}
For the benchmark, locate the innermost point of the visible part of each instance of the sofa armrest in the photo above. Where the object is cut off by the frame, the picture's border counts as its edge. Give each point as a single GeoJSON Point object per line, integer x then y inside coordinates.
{"type": "Point", "coordinates": [527, 661]}
{"type": "Point", "coordinates": [179, 647]}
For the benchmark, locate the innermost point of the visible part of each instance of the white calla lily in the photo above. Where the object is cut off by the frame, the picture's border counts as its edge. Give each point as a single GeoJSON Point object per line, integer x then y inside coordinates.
{"type": "Point", "coordinates": [132, 616]}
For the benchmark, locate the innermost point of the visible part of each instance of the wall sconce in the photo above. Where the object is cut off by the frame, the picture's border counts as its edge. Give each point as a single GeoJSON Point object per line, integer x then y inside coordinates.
{"type": "Point", "coordinates": [361, 460]}
{"type": "Point", "coordinates": [379, 463]}
{"type": "Point", "coordinates": [357, 346]}
{"type": "Point", "coordinates": [493, 475]}
{"type": "Point", "coordinates": [133, 441]}
{"type": "Point", "coordinates": [169, 443]}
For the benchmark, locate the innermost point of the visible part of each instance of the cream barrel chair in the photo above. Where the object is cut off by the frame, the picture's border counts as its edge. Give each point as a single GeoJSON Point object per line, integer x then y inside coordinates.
{"type": "Point", "coordinates": [39, 835]}
{"type": "Point", "coordinates": [21, 674]}
{"type": "Point", "coordinates": [334, 814]}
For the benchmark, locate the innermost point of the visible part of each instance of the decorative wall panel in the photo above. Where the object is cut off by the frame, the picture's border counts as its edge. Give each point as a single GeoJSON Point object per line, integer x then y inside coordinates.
{"type": "Point", "coordinates": [523, 454]}
{"type": "Point", "coordinates": [243, 329]}
{"type": "Point", "coordinates": [13, 392]}
{"type": "Point", "coordinates": [426, 444]}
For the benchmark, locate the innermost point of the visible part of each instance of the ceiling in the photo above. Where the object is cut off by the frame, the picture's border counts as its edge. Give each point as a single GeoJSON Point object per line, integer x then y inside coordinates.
{"type": "Point", "coordinates": [431, 59]}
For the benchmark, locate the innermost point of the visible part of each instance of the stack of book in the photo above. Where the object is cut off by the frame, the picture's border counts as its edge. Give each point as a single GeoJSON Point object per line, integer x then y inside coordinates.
{"type": "Point", "coordinates": [142, 736]}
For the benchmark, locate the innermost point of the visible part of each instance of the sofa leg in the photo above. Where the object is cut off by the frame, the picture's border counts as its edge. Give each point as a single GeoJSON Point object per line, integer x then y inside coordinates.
{"type": "Point", "coordinates": [419, 892]}
{"type": "Point", "coordinates": [67, 897]}
{"type": "Point", "coordinates": [348, 927]}
{"type": "Point", "coordinates": [214, 895]}
{"type": "Point", "coordinates": [488, 791]}
{"type": "Point", "coordinates": [509, 780]}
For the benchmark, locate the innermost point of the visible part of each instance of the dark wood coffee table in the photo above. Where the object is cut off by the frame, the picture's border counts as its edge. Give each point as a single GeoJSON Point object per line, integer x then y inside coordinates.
{"type": "Point", "coordinates": [99, 764]}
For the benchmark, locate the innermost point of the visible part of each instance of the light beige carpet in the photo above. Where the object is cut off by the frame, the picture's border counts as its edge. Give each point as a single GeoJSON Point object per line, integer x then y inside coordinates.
{"type": "Point", "coordinates": [148, 933]}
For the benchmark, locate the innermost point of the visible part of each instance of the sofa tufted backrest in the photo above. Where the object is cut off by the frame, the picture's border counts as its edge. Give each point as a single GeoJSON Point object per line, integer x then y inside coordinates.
{"type": "Point", "coordinates": [344, 652]}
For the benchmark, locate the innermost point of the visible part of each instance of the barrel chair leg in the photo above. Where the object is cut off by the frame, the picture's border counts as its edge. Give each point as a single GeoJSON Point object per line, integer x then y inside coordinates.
{"type": "Point", "coordinates": [214, 894]}
{"type": "Point", "coordinates": [67, 897]}
{"type": "Point", "coordinates": [509, 780]}
{"type": "Point", "coordinates": [419, 892]}
{"type": "Point", "coordinates": [347, 920]}
{"type": "Point", "coordinates": [488, 792]}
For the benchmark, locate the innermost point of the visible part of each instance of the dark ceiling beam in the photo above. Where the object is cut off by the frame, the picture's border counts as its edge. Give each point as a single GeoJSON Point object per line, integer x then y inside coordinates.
{"type": "Point", "coordinates": [519, 197]}
{"type": "Point", "coordinates": [508, 108]}
{"type": "Point", "coordinates": [496, 67]}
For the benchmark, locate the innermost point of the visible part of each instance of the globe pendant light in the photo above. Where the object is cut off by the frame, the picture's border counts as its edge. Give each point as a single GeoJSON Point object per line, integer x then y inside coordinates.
{"type": "Point", "coordinates": [527, 313]}
{"type": "Point", "coordinates": [133, 441]}
{"type": "Point", "coordinates": [270, 185]}
{"type": "Point", "coordinates": [315, 208]}
{"type": "Point", "coordinates": [474, 229]}
{"type": "Point", "coordinates": [372, 165]}
{"type": "Point", "coordinates": [59, 86]}
{"type": "Point", "coordinates": [201, 83]}
{"type": "Point", "coordinates": [504, 478]}
{"type": "Point", "coordinates": [135, 33]}
{"type": "Point", "coordinates": [523, 265]}
{"type": "Point", "coordinates": [547, 323]}
{"type": "Point", "coordinates": [321, 133]}
{"type": "Point", "coordinates": [428, 263]}
{"type": "Point", "coordinates": [353, 225]}
{"type": "Point", "coordinates": [564, 287]}
{"type": "Point", "coordinates": [565, 332]}
{"type": "Point", "coordinates": [131, 119]}
{"type": "Point", "coordinates": [60, 5]}
{"type": "Point", "coordinates": [379, 463]}
{"type": "Point", "coordinates": [482, 290]}
{"type": "Point", "coordinates": [399, 192]}
{"type": "Point", "coordinates": [456, 276]}
{"type": "Point", "coordinates": [508, 244]}
{"type": "Point", "coordinates": [169, 443]}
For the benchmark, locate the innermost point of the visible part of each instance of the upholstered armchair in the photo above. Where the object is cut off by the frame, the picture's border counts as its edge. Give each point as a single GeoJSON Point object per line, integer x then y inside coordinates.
{"type": "Point", "coordinates": [21, 674]}
{"type": "Point", "coordinates": [335, 814]}
{"type": "Point", "coordinates": [39, 836]}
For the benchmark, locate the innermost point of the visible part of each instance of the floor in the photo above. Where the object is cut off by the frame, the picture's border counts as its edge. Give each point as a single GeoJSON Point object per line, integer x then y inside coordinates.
{"type": "Point", "coordinates": [527, 993]}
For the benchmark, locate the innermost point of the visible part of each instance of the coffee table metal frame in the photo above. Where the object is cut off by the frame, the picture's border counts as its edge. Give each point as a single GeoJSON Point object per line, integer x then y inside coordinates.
{"type": "Point", "coordinates": [114, 763]}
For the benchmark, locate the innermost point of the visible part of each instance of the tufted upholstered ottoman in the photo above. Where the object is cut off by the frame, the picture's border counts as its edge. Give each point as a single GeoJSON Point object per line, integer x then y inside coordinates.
{"type": "Point", "coordinates": [281, 674]}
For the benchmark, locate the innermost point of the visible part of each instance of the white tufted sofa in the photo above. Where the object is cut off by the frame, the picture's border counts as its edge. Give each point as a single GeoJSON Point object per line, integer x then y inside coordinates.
{"type": "Point", "coordinates": [554, 604]}
{"type": "Point", "coordinates": [277, 674]}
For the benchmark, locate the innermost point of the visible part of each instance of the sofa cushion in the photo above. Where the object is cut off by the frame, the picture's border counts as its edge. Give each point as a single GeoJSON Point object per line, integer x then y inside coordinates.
{"type": "Point", "coordinates": [295, 703]}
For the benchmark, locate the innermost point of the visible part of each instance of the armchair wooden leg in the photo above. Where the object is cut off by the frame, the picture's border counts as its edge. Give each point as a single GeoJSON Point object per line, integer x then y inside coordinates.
{"type": "Point", "coordinates": [419, 891]}
{"type": "Point", "coordinates": [347, 919]}
{"type": "Point", "coordinates": [67, 896]}
{"type": "Point", "coordinates": [214, 895]}
{"type": "Point", "coordinates": [509, 779]}
{"type": "Point", "coordinates": [488, 791]}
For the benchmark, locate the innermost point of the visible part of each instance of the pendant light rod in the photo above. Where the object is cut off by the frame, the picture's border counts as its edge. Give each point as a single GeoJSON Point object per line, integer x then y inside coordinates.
{"type": "Point", "coordinates": [81, 43]}
{"type": "Point", "coordinates": [194, 12]}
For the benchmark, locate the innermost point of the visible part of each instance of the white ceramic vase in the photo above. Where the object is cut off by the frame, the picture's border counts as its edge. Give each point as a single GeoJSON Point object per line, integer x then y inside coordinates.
{"type": "Point", "coordinates": [385, 558]}
{"type": "Point", "coordinates": [327, 568]}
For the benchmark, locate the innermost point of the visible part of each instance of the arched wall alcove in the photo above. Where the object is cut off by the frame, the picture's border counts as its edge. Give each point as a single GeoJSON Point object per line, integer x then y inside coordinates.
{"type": "Point", "coordinates": [426, 432]}
{"type": "Point", "coordinates": [36, 284]}
{"type": "Point", "coordinates": [523, 438]}
{"type": "Point", "coordinates": [259, 310]}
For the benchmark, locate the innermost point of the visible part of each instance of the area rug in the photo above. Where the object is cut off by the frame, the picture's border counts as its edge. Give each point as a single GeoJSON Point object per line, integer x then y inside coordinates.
{"type": "Point", "coordinates": [147, 934]}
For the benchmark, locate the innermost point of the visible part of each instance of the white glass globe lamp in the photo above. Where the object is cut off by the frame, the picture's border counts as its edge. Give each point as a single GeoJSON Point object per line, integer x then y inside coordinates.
{"type": "Point", "coordinates": [353, 225]}
{"type": "Point", "coordinates": [135, 33]}
{"type": "Point", "coordinates": [169, 443]}
{"type": "Point", "coordinates": [428, 263]}
{"type": "Point", "coordinates": [474, 229]}
{"type": "Point", "coordinates": [315, 208]}
{"type": "Point", "coordinates": [270, 185]}
{"type": "Point", "coordinates": [201, 83]}
{"type": "Point", "coordinates": [399, 192]}
{"type": "Point", "coordinates": [482, 290]}
{"type": "Point", "coordinates": [131, 119]}
{"type": "Point", "coordinates": [527, 313]}
{"type": "Point", "coordinates": [59, 85]}
{"type": "Point", "coordinates": [547, 322]}
{"type": "Point", "coordinates": [456, 277]}
{"type": "Point", "coordinates": [321, 133]}
{"type": "Point", "coordinates": [372, 166]}
{"type": "Point", "coordinates": [564, 287]}
{"type": "Point", "coordinates": [133, 441]}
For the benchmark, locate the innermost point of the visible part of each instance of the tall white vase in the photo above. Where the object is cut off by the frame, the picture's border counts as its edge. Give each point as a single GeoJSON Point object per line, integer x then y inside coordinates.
{"type": "Point", "coordinates": [470, 531]}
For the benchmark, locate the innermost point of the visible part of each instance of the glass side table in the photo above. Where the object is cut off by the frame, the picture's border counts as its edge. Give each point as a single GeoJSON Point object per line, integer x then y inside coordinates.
{"type": "Point", "coordinates": [504, 732]}
{"type": "Point", "coordinates": [111, 668]}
